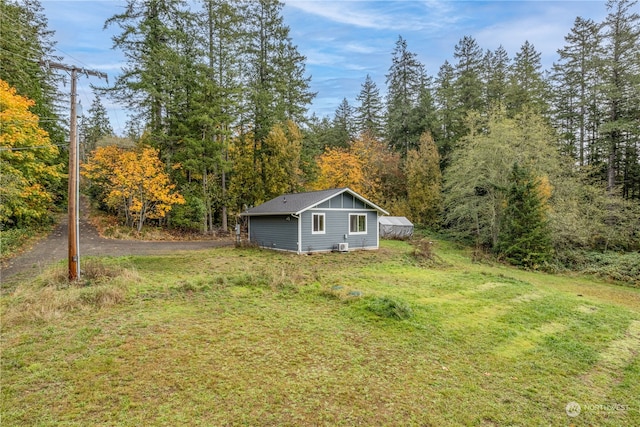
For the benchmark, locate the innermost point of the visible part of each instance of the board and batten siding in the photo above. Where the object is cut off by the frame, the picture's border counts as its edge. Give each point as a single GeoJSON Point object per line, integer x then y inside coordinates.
{"type": "Point", "coordinates": [337, 230]}
{"type": "Point", "coordinates": [343, 201]}
{"type": "Point", "coordinates": [274, 232]}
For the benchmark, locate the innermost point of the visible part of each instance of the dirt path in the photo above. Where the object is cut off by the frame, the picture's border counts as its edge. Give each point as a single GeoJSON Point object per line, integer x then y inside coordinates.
{"type": "Point", "coordinates": [54, 248]}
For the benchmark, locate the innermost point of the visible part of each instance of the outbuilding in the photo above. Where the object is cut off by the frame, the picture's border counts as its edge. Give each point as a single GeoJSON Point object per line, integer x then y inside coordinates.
{"type": "Point", "coordinates": [318, 221]}
{"type": "Point", "coordinates": [395, 227]}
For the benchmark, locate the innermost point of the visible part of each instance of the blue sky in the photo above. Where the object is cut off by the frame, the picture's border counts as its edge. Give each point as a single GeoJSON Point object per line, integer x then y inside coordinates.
{"type": "Point", "coordinates": [344, 41]}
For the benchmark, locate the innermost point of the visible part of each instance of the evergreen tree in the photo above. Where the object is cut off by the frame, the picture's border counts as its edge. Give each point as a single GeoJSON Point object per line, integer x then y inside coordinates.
{"type": "Point", "coordinates": [277, 89]}
{"type": "Point", "coordinates": [151, 32]}
{"type": "Point", "coordinates": [525, 237]}
{"type": "Point", "coordinates": [317, 135]}
{"type": "Point", "coordinates": [621, 91]}
{"type": "Point", "coordinates": [94, 126]}
{"type": "Point", "coordinates": [446, 112]}
{"type": "Point", "coordinates": [424, 117]}
{"type": "Point", "coordinates": [219, 102]}
{"type": "Point", "coordinates": [527, 87]}
{"type": "Point", "coordinates": [404, 85]}
{"type": "Point", "coordinates": [468, 82]}
{"type": "Point", "coordinates": [575, 92]}
{"type": "Point", "coordinates": [496, 66]}
{"type": "Point", "coordinates": [343, 129]}
{"type": "Point", "coordinates": [26, 45]}
{"type": "Point", "coordinates": [369, 116]}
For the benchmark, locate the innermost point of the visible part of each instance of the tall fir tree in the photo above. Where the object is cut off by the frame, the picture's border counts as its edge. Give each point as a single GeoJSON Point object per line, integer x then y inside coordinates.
{"type": "Point", "coordinates": [575, 82]}
{"type": "Point", "coordinates": [343, 128]}
{"type": "Point", "coordinates": [219, 102]}
{"type": "Point", "coordinates": [468, 83]}
{"type": "Point", "coordinates": [495, 77]}
{"type": "Point", "coordinates": [527, 86]}
{"type": "Point", "coordinates": [277, 90]}
{"type": "Point", "coordinates": [404, 84]}
{"type": "Point", "coordinates": [446, 111]}
{"type": "Point", "coordinates": [369, 116]}
{"type": "Point", "coordinates": [423, 117]}
{"type": "Point", "coordinates": [94, 126]}
{"type": "Point", "coordinates": [26, 46]}
{"type": "Point", "coordinates": [150, 32]}
{"type": "Point", "coordinates": [621, 92]}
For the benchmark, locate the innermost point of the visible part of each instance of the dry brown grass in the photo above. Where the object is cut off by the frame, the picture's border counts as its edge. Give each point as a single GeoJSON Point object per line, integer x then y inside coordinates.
{"type": "Point", "coordinates": [51, 296]}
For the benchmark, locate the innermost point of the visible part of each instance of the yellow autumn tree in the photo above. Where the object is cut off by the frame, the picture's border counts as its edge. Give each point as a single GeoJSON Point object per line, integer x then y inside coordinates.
{"type": "Point", "coordinates": [424, 182]}
{"type": "Point", "coordinates": [339, 167]}
{"type": "Point", "coordinates": [30, 171]}
{"type": "Point", "coordinates": [133, 182]}
{"type": "Point", "coordinates": [368, 167]}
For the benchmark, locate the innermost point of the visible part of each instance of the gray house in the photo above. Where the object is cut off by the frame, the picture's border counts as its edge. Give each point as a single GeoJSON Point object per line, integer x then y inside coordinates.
{"type": "Point", "coordinates": [318, 221]}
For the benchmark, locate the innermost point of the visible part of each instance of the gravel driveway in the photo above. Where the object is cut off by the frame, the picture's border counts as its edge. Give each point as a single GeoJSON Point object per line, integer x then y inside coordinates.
{"type": "Point", "coordinates": [54, 248]}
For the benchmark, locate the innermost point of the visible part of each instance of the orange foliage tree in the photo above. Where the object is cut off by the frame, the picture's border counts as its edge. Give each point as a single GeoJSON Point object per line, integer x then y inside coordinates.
{"type": "Point", "coordinates": [368, 167]}
{"type": "Point", "coordinates": [133, 182]}
{"type": "Point", "coordinates": [30, 170]}
{"type": "Point", "coordinates": [339, 167]}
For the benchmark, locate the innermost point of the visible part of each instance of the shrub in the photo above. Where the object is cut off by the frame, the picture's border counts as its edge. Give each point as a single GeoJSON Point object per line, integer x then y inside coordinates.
{"type": "Point", "coordinates": [390, 308]}
{"type": "Point", "coordinates": [620, 267]}
{"type": "Point", "coordinates": [423, 252]}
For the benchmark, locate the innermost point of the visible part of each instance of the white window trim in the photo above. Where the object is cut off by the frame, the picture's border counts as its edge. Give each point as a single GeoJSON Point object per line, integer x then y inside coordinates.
{"type": "Point", "coordinates": [324, 223]}
{"type": "Point", "coordinates": [365, 223]}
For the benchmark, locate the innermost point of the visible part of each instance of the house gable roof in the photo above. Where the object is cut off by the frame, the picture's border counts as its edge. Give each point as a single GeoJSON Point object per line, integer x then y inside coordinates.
{"type": "Point", "coordinates": [296, 203]}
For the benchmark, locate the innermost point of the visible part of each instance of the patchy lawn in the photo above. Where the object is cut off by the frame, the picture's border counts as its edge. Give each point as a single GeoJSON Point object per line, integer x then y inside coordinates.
{"type": "Point", "coordinates": [254, 337]}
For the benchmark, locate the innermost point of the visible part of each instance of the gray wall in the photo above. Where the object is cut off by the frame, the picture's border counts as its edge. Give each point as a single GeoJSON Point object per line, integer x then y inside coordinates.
{"type": "Point", "coordinates": [274, 232]}
{"type": "Point", "coordinates": [336, 227]}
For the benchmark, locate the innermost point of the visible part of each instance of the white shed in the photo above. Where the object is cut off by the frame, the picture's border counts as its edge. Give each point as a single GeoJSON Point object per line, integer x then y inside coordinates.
{"type": "Point", "coordinates": [395, 227]}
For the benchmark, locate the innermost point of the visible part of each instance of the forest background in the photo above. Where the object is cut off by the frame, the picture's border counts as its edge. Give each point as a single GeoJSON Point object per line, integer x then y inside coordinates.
{"type": "Point", "coordinates": [541, 167]}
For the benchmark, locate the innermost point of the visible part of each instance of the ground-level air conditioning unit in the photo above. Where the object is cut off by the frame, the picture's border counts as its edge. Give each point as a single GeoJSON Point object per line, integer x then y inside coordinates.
{"type": "Point", "coordinates": [343, 247]}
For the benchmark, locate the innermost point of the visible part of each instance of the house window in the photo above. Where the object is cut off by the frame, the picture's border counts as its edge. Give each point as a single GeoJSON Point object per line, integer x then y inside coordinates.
{"type": "Point", "coordinates": [357, 223]}
{"type": "Point", "coordinates": [318, 223]}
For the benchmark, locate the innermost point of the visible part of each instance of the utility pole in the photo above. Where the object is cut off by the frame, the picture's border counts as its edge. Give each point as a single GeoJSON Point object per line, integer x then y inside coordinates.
{"type": "Point", "coordinates": [74, 167]}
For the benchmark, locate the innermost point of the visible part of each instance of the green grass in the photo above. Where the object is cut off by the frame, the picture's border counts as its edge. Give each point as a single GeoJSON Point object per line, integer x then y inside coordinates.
{"type": "Point", "coordinates": [254, 337]}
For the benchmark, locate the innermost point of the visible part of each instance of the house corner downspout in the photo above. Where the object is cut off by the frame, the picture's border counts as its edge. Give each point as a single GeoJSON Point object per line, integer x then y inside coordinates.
{"type": "Point", "coordinates": [297, 217]}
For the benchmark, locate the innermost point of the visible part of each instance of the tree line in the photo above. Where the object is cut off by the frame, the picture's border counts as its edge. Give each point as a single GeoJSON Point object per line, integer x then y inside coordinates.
{"type": "Point", "coordinates": [493, 148]}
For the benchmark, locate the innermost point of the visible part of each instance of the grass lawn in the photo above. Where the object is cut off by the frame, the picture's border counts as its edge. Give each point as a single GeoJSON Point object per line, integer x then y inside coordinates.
{"type": "Point", "coordinates": [261, 338]}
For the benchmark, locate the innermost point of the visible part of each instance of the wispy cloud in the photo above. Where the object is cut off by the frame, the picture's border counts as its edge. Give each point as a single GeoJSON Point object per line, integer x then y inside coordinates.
{"type": "Point", "coordinates": [318, 57]}
{"type": "Point", "coordinates": [545, 30]}
{"type": "Point", "coordinates": [380, 15]}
